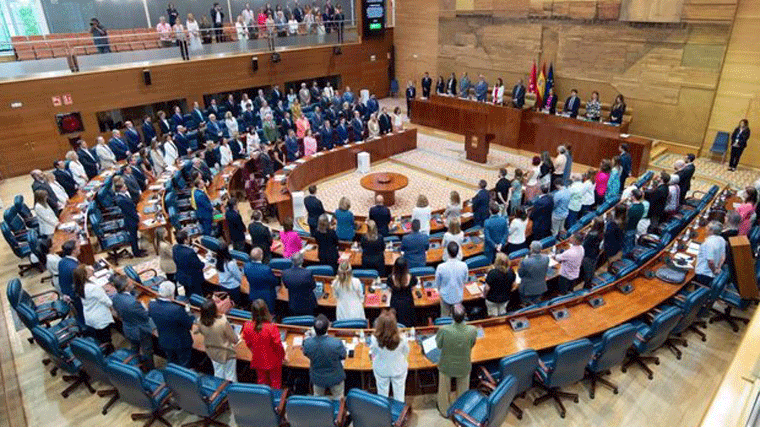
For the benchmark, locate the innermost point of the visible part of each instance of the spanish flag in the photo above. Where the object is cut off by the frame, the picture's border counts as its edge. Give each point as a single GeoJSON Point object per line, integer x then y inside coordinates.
{"type": "Point", "coordinates": [541, 86]}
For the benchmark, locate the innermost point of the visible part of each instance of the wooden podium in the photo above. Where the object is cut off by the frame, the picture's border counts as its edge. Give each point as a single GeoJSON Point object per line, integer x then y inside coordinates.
{"type": "Point", "coordinates": [744, 264]}
{"type": "Point", "coordinates": [476, 146]}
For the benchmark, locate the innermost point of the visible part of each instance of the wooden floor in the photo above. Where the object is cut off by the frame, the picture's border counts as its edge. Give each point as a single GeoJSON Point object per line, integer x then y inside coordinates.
{"type": "Point", "coordinates": [677, 396]}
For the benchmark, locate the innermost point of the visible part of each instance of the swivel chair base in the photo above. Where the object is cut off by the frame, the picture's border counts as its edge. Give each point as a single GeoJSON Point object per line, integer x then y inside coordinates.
{"type": "Point", "coordinates": [728, 318]}
{"type": "Point", "coordinates": [113, 393]}
{"type": "Point", "coordinates": [152, 417]}
{"type": "Point", "coordinates": [597, 377]}
{"type": "Point", "coordinates": [27, 267]}
{"type": "Point", "coordinates": [642, 361]}
{"type": "Point", "coordinates": [672, 344]}
{"type": "Point", "coordinates": [557, 395]}
{"type": "Point", "coordinates": [210, 421]}
{"type": "Point", "coordinates": [115, 254]}
{"type": "Point", "coordinates": [76, 381]}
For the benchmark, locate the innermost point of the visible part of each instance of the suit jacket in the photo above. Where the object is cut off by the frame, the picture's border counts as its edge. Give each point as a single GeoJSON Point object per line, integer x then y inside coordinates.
{"type": "Point", "coordinates": [740, 137]}
{"type": "Point", "coordinates": [212, 15]}
{"type": "Point", "coordinates": [129, 210]}
{"type": "Point", "coordinates": [173, 324]}
{"type": "Point", "coordinates": [182, 144]}
{"type": "Point", "coordinates": [385, 124]}
{"type": "Point", "coordinates": [532, 272]}
{"type": "Point", "coordinates": [382, 217]}
{"type": "Point", "coordinates": [415, 246]}
{"type": "Point", "coordinates": [426, 83]}
{"type": "Point", "coordinates": [357, 129]}
{"type": "Point", "coordinates": [684, 179]}
{"type": "Point", "coordinates": [52, 199]}
{"type": "Point", "coordinates": [119, 148]}
{"type": "Point", "coordinates": [148, 131]}
{"type": "Point", "coordinates": [236, 148]}
{"type": "Point", "coordinates": [495, 232]}
{"type": "Point", "coordinates": [451, 86]}
{"type": "Point", "coordinates": [166, 126]}
{"type": "Point", "coordinates": [198, 116]}
{"type": "Point", "coordinates": [542, 214]}
{"type": "Point", "coordinates": [133, 187]}
{"type": "Point", "coordinates": [572, 105]}
{"type": "Point", "coordinates": [261, 237]}
{"type": "Point", "coordinates": [625, 167]}
{"type": "Point", "coordinates": [66, 267]}
{"type": "Point", "coordinates": [135, 321]}
{"type": "Point", "coordinates": [314, 209]}
{"type": "Point", "coordinates": [133, 140]}
{"type": "Point", "coordinates": [213, 129]}
{"type": "Point", "coordinates": [189, 269]}
{"type": "Point", "coordinates": [341, 133]}
{"type": "Point", "coordinates": [106, 156]}
{"type": "Point", "coordinates": [291, 146]}
{"type": "Point", "coordinates": [236, 226]}
{"type": "Point", "coordinates": [300, 284]}
{"type": "Point", "coordinates": [139, 177]}
{"type": "Point", "coordinates": [177, 120]}
{"type": "Point", "coordinates": [657, 198]}
{"type": "Point", "coordinates": [480, 206]}
{"type": "Point", "coordinates": [262, 283]}
{"type": "Point", "coordinates": [411, 93]}
{"type": "Point", "coordinates": [327, 137]}
{"type": "Point", "coordinates": [518, 96]}
{"type": "Point", "coordinates": [89, 161]}
{"type": "Point", "coordinates": [204, 209]}
{"type": "Point", "coordinates": [66, 180]}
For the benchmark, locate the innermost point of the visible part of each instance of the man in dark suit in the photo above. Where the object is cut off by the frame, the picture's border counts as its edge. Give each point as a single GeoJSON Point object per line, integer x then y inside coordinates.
{"type": "Point", "coordinates": [326, 136]}
{"type": "Point", "coordinates": [148, 131]}
{"type": "Point", "coordinates": [189, 266]}
{"type": "Point", "coordinates": [236, 147]}
{"type": "Point", "coordinates": [451, 85]}
{"type": "Point", "coordinates": [249, 117]}
{"type": "Point", "coordinates": [213, 129]}
{"type": "Point", "coordinates": [341, 132]}
{"type": "Point", "coordinates": [131, 217]}
{"type": "Point", "coordinates": [235, 225]}
{"type": "Point", "coordinates": [314, 208]}
{"type": "Point", "coordinates": [385, 122]}
{"type": "Point", "coordinates": [415, 245]}
{"type": "Point", "coordinates": [426, 83]}
{"type": "Point", "coordinates": [532, 271]}
{"type": "Point", "coordinates": [135, 321]}
{"type": "Point", "coordinates": [518, 94]}
{"type": "Point", "coordinates": [177, 118]}
{"type": "Point", "coordinates": [291, 146]}
{"type": "Point", "coordinates": [164, 124]}
{"type": "Point", "coordinates": [173, 324]}
{"type": "Point", "coordinates": [739, 138]}
{"type": "Point", "coordinates": [137, 172]}
{"type": "Point", "coordinates": [542, 214]}
{"type": "Point", "coordinates": [217, 21]}
{"type": "Point", "coordinates": [181, 142]}
{"type": "Point", "coordinates": [261, 279]}
{"type": "Point", "coordinates": [213, 108]}
{"type": "Point", "coordinates": [276, 95]}
{"type": "Point", "coordinates": [411, 93]}
{"type": "Point", "coordinates": [300, 285]}
{"type": "Point", "coordinates": [480, 203]}
{"type": "Point", "coordinates": [118, 146]}
{"type": "Point", "coordinates": [231, 105]}
{"type": "Point", "coordinates": [39, 183]}
{"type": "Point", "coordinates": [572, 104]}
{"type": "Point", "coordinates": [657, 198]}
{"type": "Point", "coordinates": [357, 127]}
{"type": "Point", "coordinates": [685, 173]}
{"type": "Point", "coordinates": [381, 215]}
{"type": "Point", "coordinates": [133, 187]}
{"type": "Point", "coordinates": [66, 267]}
{"type": "Point", "coordinates": [625, 165]}
{"type": "Point", "coordinates": [133, 137]}
{"type": "Point", "coordinates": [88, 160]}
{"type": "Point", "coordinates": [261, 236]}
{"type": "Point", "coordinates": [198, 117]}
{"type": "Point", "coordinates": [64, 177]}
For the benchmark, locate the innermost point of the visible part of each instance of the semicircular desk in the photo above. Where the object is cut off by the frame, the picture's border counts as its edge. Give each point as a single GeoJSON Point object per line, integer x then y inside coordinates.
{"type": "Point", "coordinates": [499, 339]}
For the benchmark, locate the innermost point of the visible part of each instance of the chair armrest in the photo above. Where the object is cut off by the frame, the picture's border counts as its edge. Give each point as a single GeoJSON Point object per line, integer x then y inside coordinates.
{"type": "Point", "coordinates": [39, 310]}
{"type": "Point", "coordinates": [403, 416]}
{"type": "Point", "coordinates": [466, 417]}
{"type": "Point", "coordinates": [52, 291]}
{"type": "Point", "coordinates": [130, 358]}
{"type": "Point", "coordinates": [283, 398]}
{"type": "Point", "coordinates": [542, 366]}
{"type": "Point", "coordinates": [218, 390]}
{"type": "Point", "coordinates": [488, 378]}
{"type": "Point", "coordinates": [148, 270]}
{"type": "Point", "coordinates": [157, 391]}
{"type": "Point", "coordinates": [679, 297]}
{"type": "Point", "coordinates": [341, 419]}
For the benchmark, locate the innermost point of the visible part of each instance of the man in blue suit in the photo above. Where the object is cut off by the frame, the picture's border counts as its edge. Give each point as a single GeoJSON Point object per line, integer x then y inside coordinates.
{"type": "Point", "coordinates": [173, 324]}
{"type": "Point", "coordinates": [249, 117]}
{"type": "Point", "coordinates": [261, 280]}
{"type": "Point", "coordinates": [341, 132]}
{"type": "Point", "coordinates": [572, 104]}
{"type": "Point", "coordinates": [197, 115]}
{"type": "Point", "coordinates": [66, 267]}
{"type": "Point", "coordinates": [131, 217]}
{"type": "Point", "coordinates": [88, 159]}
{"type": "Point", "coordinates": [189, 266]}
{"type": "Point", "coordinates": [372, 106]}
{"type": "Point", "coordinates": [133, 187]}
{"type": "Point", "coordinates": [327, 136]}
{"type": "Point", "coordinates": [300, 285]}
{"type": "Point", "coordinates": [64, 177]}
{"type": "Point", "coordinates": [148, 131]}
{"type": "Point", "coordinates": [182, 142]}
{"type": "Point", "coordinates": [213, 129]}
{"type": "Point", "coordinates": [518, 95]}
{"type": "Point", "coordinates": [204, 211]}
{"type": "Point", "coordinates": [481, 90]}
{"type": "Point", "coordinates": [480, 204]}
{"type": "Point", "coordinates": [415, 246]}
{"type": "Point", "coordinates": [381, 215]}
{"type": "Point", "coordinates": [348, 96]}
{"type": "Point", "coordinates": [542, 214]}
{"type": "Point", "coordinates": [135, 322]}
{"type": "Point", "coordinates": [118, 146]}
{"type": "Point", "coordinates": [314, 208]}
{"type": "Point", "coordinates": [357, 127]}
{"type": "Point", "coordinates": [212, 108]}
{"type": "Point", "coordinates": [495, 232]}
{"type": "Point", "coordinates": [133, 137]}
{"type": "Point", "coordinates": [177, 118]}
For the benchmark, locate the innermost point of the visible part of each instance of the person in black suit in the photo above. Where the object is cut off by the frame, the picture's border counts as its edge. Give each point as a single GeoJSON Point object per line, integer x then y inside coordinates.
{"type": "Point", "coordinates": [357, 126]}
{"type": "Point", "coordinates": [314, 208]}
{"type": "Point", "coordinates": [64, 177]}
{"type": "Point", "coordinates": [381, 215]}
{"type": "Point", "coordinates": [133, 187]}
{"type": "Point", "coordinates": [261, 236]}
{"type": "Point", "coordinates": [739, 139]}
{"type": "Point", "coordinates": [173, 324]}
{"type": "Point", "coordinates": [327, 136]}
{"type": "Point", "coordinates": [189, 266]}
{"type": "Point", "coordinates": [373, 249]}
{"type": "Point", "coordinates": [236, 226]}
{"type": "Point", "coordinates": [480, 210]}
{"type": "Point", "coordinates": [300, 285]}
{"type": "Point", "coordinates": [685, 174]}
{"type": "Point", "coordinates": [327, 242]}
{"type": "Point", "coordinates": [451, 85]}
{"type": "Point", "coordinates": [657, 198]}
{"type": "Point", "coordinates": [411, 93]}
{"type": "Point", "coordinates": [572, 104]}
{"type": "Point", "coordinates": [131, 217]}
{"type": "Point", "coordinates": [427, 82]}
{"type": "Point", "coordinates": [148, 131]}
{"type": "Point", "coordinates": [164, 124]}
{"type": "Point", "coordinates": [172, 14]}
{"type": "Point", "coordinates": [217, 21]}
{"type": "Point", "coordinates": [617, 110]}
{"type": "Point", "coordinates": [88, 159]}
{"type": "Point", "coordinates": [39, 183]}
{"type": "Point", "coordinates": [384, 121]}
{"type": "Point", "coordinates": [135, 321]}
{"type": "Point", "coordinates": [542, 214]}
{"type": "Point", "coordinates": [518, 94]}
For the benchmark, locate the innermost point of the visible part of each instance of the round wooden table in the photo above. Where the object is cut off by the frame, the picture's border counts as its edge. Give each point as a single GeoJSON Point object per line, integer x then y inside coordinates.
{"type": "Point", "coordinates": [385, 184]}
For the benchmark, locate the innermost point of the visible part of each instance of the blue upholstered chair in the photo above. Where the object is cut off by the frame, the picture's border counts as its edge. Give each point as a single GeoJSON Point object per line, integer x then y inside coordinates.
{"type": "Point", "coordinates": [563, 367]}
{"type": "Point", "coordinates": [732, 299]}
{"type": "Point", "coordinates": [477, 261]}
{"type": "Point", "coordinates": [690, 306]}
{"type": "Point", "coordinates": [64, 331]}
{"type": "Point", "coordinates": [257, 405]}
{"type": "Point", "coordinates": [307, 321]}
{"type": "Point", "coordinates": [201, 395]}
{"type": "Point", "coordinates": [280, 263]}
{"type": "Point", "coordinates": [520, 366]}
{"type": "Point", "coordinates": [650, 337]}
{"type": "Point", "coordinates": [26, 214]}
{"type": "Point", "coordinates": [239, 256]}
{"type": "Point", "coordinates": [548, 242]}
{"type": "Point", "coordinates": [321, 270]}
{"type": "Point", "coordinates": [520, 253]}
{"type": "Point", "coordinates": [198, 301]}
{"type": "Point", "coordinates": [94, 363]}
{"type": "Point", "coordinates": [443, 320]}
{"type": "Point", "coordinates": [371, 410]}
{"type": "Point", "coordinates": [152, 282]}
{"type": "Point", "coordinates": [422, 271]}
{"type": "Point", "coordinates": [46, 312]}
{"type": "Point", "coordinates": [609, 350]}
{"type": "Point", "coordinates": [366, 273]}
{"type": "Point", "coordinates": [212, 243]}
{"type": "Point", "coordinates": [349, 324]}
{"type": "Point", "coordinates": [148, 392]}
{"type": "Point", "coordinates": [62, 359]}
{"type": "Point", "coordinates": [312, 411]}
{"type": "Point", "coordinates": [20, 246]}
{"type": "Point", "coordinates": [475, 409]}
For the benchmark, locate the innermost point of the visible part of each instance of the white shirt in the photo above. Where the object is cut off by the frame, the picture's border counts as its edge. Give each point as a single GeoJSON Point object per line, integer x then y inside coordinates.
{"type": "Point", "coordinates": [252, 142]}
{"type": "Point", "coordinates": [232, 125]}
{"type": "Point", "coordinates": [46, 218]}
{"type": "Point", "coordinates": [77, 170]}
{"type": "Point", "coordinates": [52, 266]}
{"type": "Point", "coordinates": [241, 28]}
{"type": "Point", "coordinates": [106, 156]}
{"type": "Point", "coordinates": [576, 196]}
{"type": "Point", "coordinates": [517, 231]}
{"type": "Point", "coordinates": [350, 302]}
{"type": "Point", "coordinates": [158, 161]}
{"type": "Point", "coordinates": [498, 94]}
{"type": "Point", "coordinates": [170, 152]}
{"type": "Point", "coordinates": [244, 104]}
{"type": "Point", "coordinates": [60, 193]}
{"type": "Point", "coordinates": [329, 92]}
{"type": "Point", "coordinates": [398, 121]}
{"type": "Point", "coordinates": [292, 26]}
{"type": "Point", "coordinates": [389, 363]}
{"type": "Point", "coordinates": [448, 238]}
{"type": "Point", "coordinates": [96, 306]}
{"type": "Point", "coordinates": [247, 16]}
{"type": "Point", "coordinates": [587, 197]}
{"type": "Point", "coordinates": [225, 155]}
{"type": "Point", "coordinates": [422, 214]}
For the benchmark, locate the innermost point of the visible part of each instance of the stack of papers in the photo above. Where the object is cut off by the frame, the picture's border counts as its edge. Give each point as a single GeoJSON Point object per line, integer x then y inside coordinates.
{"type": "Point", "coordinates": [474, 288]}
{"type": "Point", "coordinates": [693, 249]}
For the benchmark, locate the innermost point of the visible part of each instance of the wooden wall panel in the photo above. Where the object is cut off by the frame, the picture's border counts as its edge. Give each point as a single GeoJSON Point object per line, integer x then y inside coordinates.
{"type": "Point", "coordinates": [651, 10]}
{"type": "Point", "coordinates": [416, 40]}
{"type": "Point", "coordinates": [35, 142]}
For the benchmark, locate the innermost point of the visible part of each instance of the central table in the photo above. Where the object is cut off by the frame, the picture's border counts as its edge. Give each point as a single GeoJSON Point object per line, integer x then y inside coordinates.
{"type": "Point", "coordinates": [385, 184]}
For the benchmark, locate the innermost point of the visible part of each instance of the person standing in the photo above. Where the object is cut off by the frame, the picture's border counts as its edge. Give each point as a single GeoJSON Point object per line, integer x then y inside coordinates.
{"type": "Point", "coordinates": [381, 215]}
{"type": "Point", "coordinates": [560, 211]}
{"type": "Point", "coordinates": [411, 93]}
{"type": "Point", "coordinates": [373, 249]}
{"type": "Point", "coordinates": [423, 213]}
{"type": "Point", "coordinates": [349, 294]}
{"type": "Point", "coordinates": [220, 340]}
{"type": "Point", "coordinates": [454, 234]}
{"type": "Point", "coordinates": [326, 355]}
{"type": "Point", "coordinates": [172, 13]}
{"type": "Point", "coordinates": [495, 233]}
{"type": "Point", "coordinates": [314, 209]}
{"type": "Point", "coordinates": [46, 217]}
{"type": "Point", "coordinates": [518, 95]}
{"type": "Point", "coordinates": [401, 283]}
{"type": "Point", "coordinates": [450, 277]}
{"type": "Point", "coordinates": [345, 220]}
{"type": "Point", "coordinates": [499, 286]}
{"type": "Point", "coordinates": [261, 280]}
{"type": "Point", "coordinates": [95, 303]}
{"type": "Point", "coordinates": [455, 341]}
{"type": "Point", "coordinates": [66, 267]}
{"type": "Point", "coordinates": [739, 138]}
{"type": "Point", "coordinates": [188, 265]}
{"type": "Point", "coordinates": [261, 236]}
{"type": "Point", "coordinates": [262, 337]}
{"type": "Point", "coordinates": [625, 165]}
{"type": "Point", "coordinates": [570, 264]}
{"type": "Point", "coordinates": [327, 242]}
{"type": "Point", "coordinates": [480, 208]}
{"type": "Point", "coordinates": [135, 322]}
{"type": "Point", "coordinates": [389, 351]}
{"type": "Point", "coordinates": [712, 254]}
{"type": "Point", "coordinates": [415, 245]}
{"type": "Point", "coordinates": [166, 259]}
{"type": "Point", "coordinates": [131, 217]}
{"type": "Point", "coordinates": [542, 214]}
{"type": "Point", "coordinates": [173, 324]}
{"type": "Point", "coordinates": [427, 82]}
{"type": "Point", "coordinates": [217, 20]}
{"type": "Point", "coordinates": [532, 272]}
{"type": "Point", "coordinates": [99, 36]}
{"type": "Point", "coordinates": [300, 284]}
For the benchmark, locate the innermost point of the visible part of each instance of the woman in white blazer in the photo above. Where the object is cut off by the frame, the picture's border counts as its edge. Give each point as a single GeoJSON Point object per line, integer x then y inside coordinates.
{"type": "Point", "coordinates": [231, 123]}
{"type": "Point", "coordinates": [497, 94]}
{"type": "Point", "coordinates": [45, 214]}
{"type": "Point", "coordinates": [105, 155]}
{"type": "Point", "coordinates": [76, 169]}
{"type": "Point", "coordinates": [170, 151]}
{"type": "Point", "coordinates": [225, 154]}
{"type": "Point", "coordinates": [389, 351]}
{"type": "Point", "coordinates": [156, 158]}
{"type": "Point", "coordinates": [57, 188]}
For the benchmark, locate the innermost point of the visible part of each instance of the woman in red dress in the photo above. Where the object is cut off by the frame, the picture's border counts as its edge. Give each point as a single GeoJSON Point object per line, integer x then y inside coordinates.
{"type": "Point", "coordinates": [263, 339]}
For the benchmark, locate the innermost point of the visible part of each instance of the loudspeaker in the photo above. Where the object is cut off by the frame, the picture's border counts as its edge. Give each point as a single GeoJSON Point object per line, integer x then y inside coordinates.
{"type": "Point", "coordinates": [146, 77]}
{"type": "Point", "coordinates": [255, 63]}
{"type": "Point", "coordinates": [275, 57]}
{"type": "Point", "coordinates": [337, 51]}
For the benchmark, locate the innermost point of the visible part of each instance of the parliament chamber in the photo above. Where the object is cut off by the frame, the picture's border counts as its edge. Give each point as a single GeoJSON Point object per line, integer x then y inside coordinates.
{"type": "Point", "coordinates": [380, 213]}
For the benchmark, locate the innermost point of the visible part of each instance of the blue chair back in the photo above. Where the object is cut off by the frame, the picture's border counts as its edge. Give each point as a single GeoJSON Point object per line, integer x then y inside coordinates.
{"type": "Point", "coordinates": [135, 388]}
{"type": "Point", "coordinates": [500, 400]}
{"type": "Point", "coordinates": [661, 327]}
{"type": "Point", "coordinates": [92, 358]}
{"type": "Point", "coordinates": [570, 362]}
{"type": "Point", "coordinates": [240, 256]}
{"type": "Point", "coordinates": [185, 383]}
{"type": "Point", "coordinates": [280, 263]}
{"type": "Point", "coordinates": [132, 274]}
{"type": "Point", "coordinates": [63, 358]}
{"type": "Point", "coordinates": [520, 253]}
{"type": "Point", "coordinates": [477, 261]}
{"type": "Point", "coordinates": [422, 271]}
{"type": "Point", "coordinates": [321, 270]}
{"type": "Point", "coordinates": [349, 324]}
{"type": "Point", "coordinates": [615, 345]}
{"type": "Point", "coordinates": [691, 307]}
{"type": "Point", "coordinates": [310, 411]}
{"type": "Point", "coordinates": [444, 320]}
{"type": "Point", "coordinates": [521, 366]}
{"type": "Point", "coordinates": [253, 405]}
{"type": "Point", "coordinates": [720, 143]}
{"type": "Point", "coordinates": [13, 292]}
{"type": "Point", "coordinates": [369, 410]}
{"type": "Point", "coordinates": [548, 242]}
{"type": "Point", "coordinates": [368, 273]}
{"type": "Point", "coordinates": [211, 243]}
{"type": "Point", "coordinates": [307, 321]}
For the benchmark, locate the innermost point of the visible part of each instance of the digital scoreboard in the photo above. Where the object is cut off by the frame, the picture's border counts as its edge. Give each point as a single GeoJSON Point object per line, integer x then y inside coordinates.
{"type": "Point", "coordinates": [373, 14]}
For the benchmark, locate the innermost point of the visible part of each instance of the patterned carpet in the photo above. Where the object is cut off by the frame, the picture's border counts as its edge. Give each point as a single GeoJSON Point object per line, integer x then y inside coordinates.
{"type": "Point", "coordinates": [709, 172]}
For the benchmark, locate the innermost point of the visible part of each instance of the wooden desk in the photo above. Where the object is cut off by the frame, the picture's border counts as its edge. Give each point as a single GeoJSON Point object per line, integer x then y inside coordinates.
{"type": "Point", "coordinates": [385, 184]}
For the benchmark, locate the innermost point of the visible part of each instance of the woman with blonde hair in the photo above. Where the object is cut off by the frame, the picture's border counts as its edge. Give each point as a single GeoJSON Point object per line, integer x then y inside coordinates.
{"type": "Point", "coordinates": [454, 208]}
{"type": "Point", "coordinates": [423, 213]}
{"type": "Point", "coordinates": [231, 123]}
{"type": "Point", "coordinates": [453, 234]}
{"type": "Point", "coordinates": [373, 249]}
{"type": "Point", "coordinates": [499, 286]}
{"type": "Point", "coordinates": [46, 217]}
{"type": "Point", "coordinates": [345, 220]}
{"type": "Point", "coordinates": [166, 257]}
{"type": "Point", "coordinates": [349, 294]}
{"type": "Point", "coordinates": [389, 351]}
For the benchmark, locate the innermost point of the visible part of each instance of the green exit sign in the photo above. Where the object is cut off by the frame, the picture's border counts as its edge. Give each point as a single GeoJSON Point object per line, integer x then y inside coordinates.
{"type": "Point", "coordinates": [375, 26]}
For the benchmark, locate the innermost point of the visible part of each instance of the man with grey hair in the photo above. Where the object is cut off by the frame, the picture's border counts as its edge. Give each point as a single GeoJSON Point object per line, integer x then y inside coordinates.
{"type": "Point", "coordinates": [712, 254]}
{"type": "Point", "coordinates": [135, 322]}
{"type": "Point", "coordinates": [532, 272]}
{"type": "Point", "coordinates": [106, 157]}
{"type": "Point", "coordinates": [173, 324]}
{"type": "Point", "coordinates": [261, 279]}
{"type": "Point", "coordinates": [300, 284]}
{"type": "Point", "coordinates": [40, 183]}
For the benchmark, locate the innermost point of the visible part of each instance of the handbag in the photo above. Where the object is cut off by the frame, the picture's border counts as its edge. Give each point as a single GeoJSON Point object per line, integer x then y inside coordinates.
{"type": "Point", "coordinates": [671, 275]}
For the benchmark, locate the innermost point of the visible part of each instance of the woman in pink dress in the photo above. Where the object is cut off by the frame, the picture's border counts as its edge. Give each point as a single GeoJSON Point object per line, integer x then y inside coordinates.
{"type": "Point", "coordinates": [262, 21]}
{"type": "Point", "coordinates": [601, 179]}
{"type": "Point", "coordinates": [309, 144]}
{"type": "Point", "coordinates": [746, 210]}
{"type": "Point", "coordinates": [291, 242]}
{"type": "Point", "coordinates": [302, 125]}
